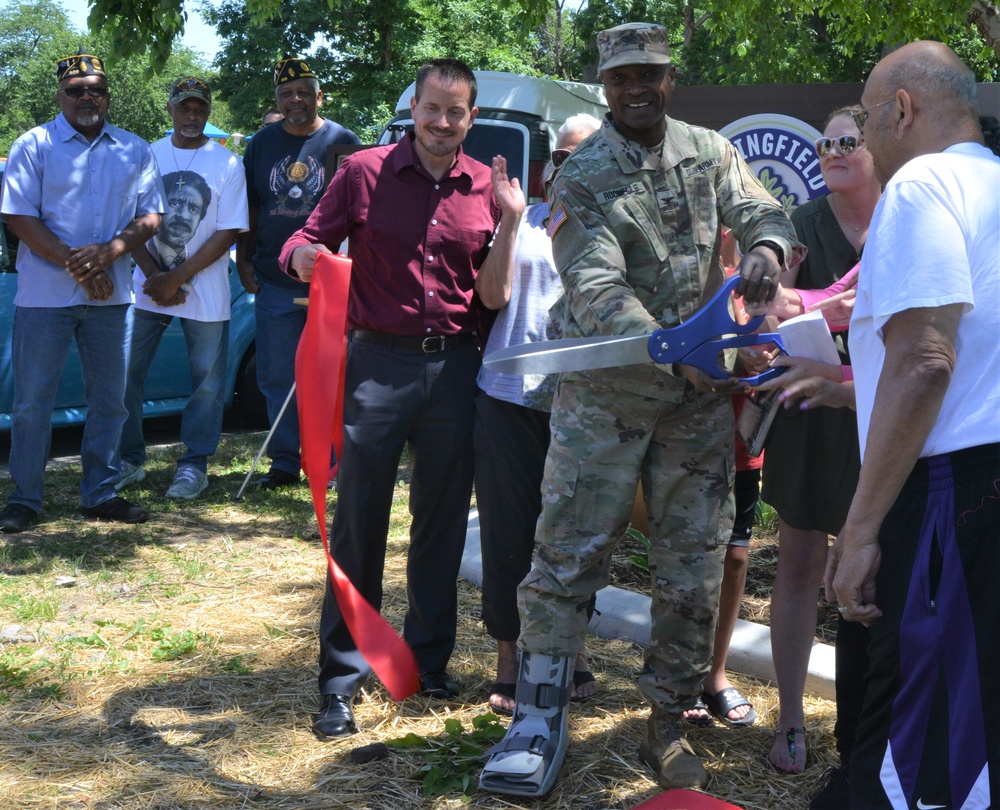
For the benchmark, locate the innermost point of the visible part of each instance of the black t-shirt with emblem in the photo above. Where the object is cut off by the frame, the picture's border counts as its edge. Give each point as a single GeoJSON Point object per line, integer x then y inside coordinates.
{"type": "Point", "coordinates": [286, 176]}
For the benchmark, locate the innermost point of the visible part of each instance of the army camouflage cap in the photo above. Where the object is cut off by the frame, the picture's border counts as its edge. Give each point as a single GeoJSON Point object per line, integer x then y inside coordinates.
{"type": "Point", "coordinates": [633, 44]}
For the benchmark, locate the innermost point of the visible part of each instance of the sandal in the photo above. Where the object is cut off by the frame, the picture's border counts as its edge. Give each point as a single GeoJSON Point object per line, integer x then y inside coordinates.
{"type": "Point", "coordinates": [701, 720]}
{"type": "Point", "coordinates": [580, 677]}
{"type": "Point", "coordinates": [724, 701]}
{"type": "Point", "coordinates": [504, 689]}
{"type": "Point", "coordinates": [789, 735]}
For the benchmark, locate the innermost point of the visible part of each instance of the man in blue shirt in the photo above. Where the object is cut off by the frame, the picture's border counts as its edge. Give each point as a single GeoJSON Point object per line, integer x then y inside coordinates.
{"type": "Point", "coordinates": [80, 194]}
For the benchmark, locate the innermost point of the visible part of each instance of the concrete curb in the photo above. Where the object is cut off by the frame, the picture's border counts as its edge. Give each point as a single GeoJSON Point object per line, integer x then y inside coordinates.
{"type": "Point", "coordinates": [625, 615]}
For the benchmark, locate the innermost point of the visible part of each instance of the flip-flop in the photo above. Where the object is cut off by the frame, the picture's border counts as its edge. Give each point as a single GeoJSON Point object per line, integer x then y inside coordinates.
{"type": "Point", "coordinates": [699, 722]}
{"type": "Point", "coordinates": [580, 677]}
{"type": "Point", "coordinates": [724, 701]}
{"type": "Point", "coordinates": [789, 736]}
{"type": "Point", "coordinates": [505, 689]}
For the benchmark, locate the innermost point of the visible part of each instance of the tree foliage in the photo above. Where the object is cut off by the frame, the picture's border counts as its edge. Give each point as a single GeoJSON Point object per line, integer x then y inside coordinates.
{"type": "Point", "coordinates": [35, 34]}
{"type": "Point", "coordinates": [364, 56]}
{"type": "Point", "coordinates": [763, 39]}
{"type": "Point", "coordinates": [367, 51]}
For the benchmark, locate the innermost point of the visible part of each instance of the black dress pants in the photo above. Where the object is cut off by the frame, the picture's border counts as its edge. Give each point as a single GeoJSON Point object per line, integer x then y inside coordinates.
{"type": "Point", "coordinates": [395, 398]}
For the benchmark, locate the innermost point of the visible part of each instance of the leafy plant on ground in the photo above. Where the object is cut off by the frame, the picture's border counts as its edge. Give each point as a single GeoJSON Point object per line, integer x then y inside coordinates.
{"type": "Point", "coordinates": [639, 559]}
{"type": "Point", "coordinates": [171, 646]}
{"type": "Point", "coordinates": [237, 665]}
{"type": "Point", "coordinates": [452, 760]}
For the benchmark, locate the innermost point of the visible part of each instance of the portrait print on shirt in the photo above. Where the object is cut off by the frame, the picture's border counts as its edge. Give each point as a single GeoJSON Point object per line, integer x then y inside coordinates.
{"type": "Point", "coordinates": [188, 200]}
{"type": "Point", "coordinates": [297, 185]}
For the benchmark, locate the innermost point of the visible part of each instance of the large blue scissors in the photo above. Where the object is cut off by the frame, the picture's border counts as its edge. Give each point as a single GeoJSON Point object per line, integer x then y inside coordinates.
{"type": "Point", "coordinates": [696, 342]}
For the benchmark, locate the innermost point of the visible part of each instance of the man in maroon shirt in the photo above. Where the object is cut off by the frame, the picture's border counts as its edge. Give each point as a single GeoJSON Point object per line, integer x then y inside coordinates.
{"type": "Point", "coordinates": [426, 232]}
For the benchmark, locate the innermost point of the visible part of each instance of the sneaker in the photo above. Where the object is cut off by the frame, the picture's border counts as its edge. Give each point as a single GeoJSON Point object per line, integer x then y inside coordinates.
{"type": "Point", "coordinates": [131, 474]}
{"type": "Point", "coordinates": [188, 483]}
{"type": "Point", "coordinates": [116, 509]}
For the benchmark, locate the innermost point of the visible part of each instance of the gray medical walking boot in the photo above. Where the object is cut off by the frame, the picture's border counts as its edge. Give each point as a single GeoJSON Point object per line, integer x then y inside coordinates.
{"type": "Point", "coordinates": [671, 757]}
{"type": "Point", "coordinates": [527, 761]}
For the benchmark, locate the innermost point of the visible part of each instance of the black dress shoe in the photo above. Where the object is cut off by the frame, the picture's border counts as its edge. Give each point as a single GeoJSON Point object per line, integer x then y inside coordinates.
{"type": "Point", "coordinates": [116, 509]}
{"type": "Point", "coordinates": [439, 685]}
{"type": "Point", "coordinates": [16, 518]}
{"type": "Point", "coordinates": [335, 718]}
{"type": "Point", "coordinates": [275, 479]}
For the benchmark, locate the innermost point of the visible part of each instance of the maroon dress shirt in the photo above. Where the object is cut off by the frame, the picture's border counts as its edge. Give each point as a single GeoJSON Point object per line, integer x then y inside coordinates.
{"type": "Point", "coordinates": [416, 242]}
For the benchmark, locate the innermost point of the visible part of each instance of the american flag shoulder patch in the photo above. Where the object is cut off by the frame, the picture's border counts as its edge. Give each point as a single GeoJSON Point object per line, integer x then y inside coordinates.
{"type": "Point", "coordinates": [556, 218]}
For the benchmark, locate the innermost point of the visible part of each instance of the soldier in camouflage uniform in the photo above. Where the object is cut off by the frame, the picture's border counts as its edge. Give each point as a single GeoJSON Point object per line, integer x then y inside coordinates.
{"type": "Point", "coordinates": [636, 222]}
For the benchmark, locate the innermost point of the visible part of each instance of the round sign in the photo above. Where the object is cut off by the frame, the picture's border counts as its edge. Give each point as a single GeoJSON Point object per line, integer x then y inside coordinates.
{"type": "Point", "coordinates": [780, 149]}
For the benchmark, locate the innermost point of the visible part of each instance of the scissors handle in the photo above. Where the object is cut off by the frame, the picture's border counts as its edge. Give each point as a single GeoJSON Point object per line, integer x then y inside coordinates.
{"type": "Point", "coordinates": [674, 345]}
{"type": "Point", "coordinates": [715, 319]}
{"type": "Point", "coordinates": [706, 355]}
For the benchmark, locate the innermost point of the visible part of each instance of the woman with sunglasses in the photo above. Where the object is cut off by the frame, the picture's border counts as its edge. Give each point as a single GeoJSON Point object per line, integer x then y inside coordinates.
{"type": "Point", "coordinates": [812, 459]}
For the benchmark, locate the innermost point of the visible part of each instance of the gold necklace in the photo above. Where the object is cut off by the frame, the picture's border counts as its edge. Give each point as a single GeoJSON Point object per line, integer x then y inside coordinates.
{"type": "Point", "coordinates": [841, 218]}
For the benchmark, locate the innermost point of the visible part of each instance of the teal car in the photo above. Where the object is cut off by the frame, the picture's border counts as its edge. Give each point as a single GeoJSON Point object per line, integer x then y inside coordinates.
{"type": "Point", "coordinates": [168, 384]}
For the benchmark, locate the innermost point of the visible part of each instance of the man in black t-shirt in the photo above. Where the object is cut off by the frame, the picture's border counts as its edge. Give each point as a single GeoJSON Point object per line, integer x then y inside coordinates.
{"type": "Point", "coordinates": [286, 176]}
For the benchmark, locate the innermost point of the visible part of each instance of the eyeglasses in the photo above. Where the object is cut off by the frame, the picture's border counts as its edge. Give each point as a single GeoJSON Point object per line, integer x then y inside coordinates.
{"type": "Point", "coordinates": [77, 92]}
{"type": "Point", "coordinates": [861, 116]}
{"type": "Point", "coordinates": [559, 156]}
{"type": "Point", "coordinates": [845, 144]}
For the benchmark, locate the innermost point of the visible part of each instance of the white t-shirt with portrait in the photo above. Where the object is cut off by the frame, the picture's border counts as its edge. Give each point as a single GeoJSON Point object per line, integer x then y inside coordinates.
{"type": "Point", "coordinates": [205, 192]}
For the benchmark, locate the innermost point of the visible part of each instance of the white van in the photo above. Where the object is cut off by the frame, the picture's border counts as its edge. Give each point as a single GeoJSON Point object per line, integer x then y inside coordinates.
{"type": "Point", "coordinates": [519, 117]}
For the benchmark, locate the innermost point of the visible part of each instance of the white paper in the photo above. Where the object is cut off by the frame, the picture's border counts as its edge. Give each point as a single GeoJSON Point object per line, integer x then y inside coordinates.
{"type": "Point", "coordinates": [809, 336]}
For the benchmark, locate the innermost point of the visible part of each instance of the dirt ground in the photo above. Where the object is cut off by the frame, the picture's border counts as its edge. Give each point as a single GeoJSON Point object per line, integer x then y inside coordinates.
{"type": "Point", "coordinates": [172, 665]}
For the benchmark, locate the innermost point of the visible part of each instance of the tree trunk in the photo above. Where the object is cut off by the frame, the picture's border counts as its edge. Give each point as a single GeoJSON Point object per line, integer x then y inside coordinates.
{"type": "Point", "coordinates": [986, 17]}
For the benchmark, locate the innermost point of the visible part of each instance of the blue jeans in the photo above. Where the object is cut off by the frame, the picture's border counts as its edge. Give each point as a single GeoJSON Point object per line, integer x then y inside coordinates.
{"type": "Point", "coordinates": [41, 343]}
{"type": "Point", "coordinates": [280, 322]}
{"type": "Point", "coordinates": [201, 423]}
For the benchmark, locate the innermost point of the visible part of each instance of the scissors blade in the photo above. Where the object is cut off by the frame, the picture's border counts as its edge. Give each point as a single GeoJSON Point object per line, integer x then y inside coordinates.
{"type": "Point", "coordinates": [571, 354]}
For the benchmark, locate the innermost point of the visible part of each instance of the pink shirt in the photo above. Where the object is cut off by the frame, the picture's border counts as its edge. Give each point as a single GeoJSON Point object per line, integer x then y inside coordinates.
{"type": "Point", "coordinates": [417, 243]}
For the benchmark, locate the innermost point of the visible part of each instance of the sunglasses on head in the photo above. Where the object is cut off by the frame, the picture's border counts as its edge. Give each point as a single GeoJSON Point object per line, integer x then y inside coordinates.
{"type": "Point", "coordinates": [77, 92]}
{"type": "Point", "coordinates": [559, 156]}
{"type": "Point", "coordinates": [845, 145]}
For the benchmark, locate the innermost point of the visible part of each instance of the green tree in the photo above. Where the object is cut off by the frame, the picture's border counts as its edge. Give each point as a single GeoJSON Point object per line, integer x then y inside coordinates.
{"type": "Point", "coordinates": [34, 35]}
{"type": "Point", "coordinates": [366, 55]}
{"type": "Point", "coordinates": [718, 40]}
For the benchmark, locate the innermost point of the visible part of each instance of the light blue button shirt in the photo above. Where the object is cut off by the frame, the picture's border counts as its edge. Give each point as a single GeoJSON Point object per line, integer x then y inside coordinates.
{"type": "Point", "coordinates": [84, 192]}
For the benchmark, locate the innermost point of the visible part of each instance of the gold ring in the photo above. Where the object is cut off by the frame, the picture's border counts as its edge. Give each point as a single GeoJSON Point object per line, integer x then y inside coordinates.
{"type": "Point", "coordinates": [86, 266]}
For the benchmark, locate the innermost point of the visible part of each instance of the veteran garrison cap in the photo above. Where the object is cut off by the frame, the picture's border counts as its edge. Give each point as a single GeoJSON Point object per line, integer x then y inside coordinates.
{"type": "Point", "coordinates": [79, 64]}
{"type": "Point", "coordinates": [190, 87]}
{"type": "Point", "coordinates": [633, 44]}
{"type": "Point", "coordinates": [291, 68]}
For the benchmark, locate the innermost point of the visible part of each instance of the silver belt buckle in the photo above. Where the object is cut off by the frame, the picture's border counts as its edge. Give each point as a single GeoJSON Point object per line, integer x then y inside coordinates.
{"type": "Point", "coordinates": [428, 344]}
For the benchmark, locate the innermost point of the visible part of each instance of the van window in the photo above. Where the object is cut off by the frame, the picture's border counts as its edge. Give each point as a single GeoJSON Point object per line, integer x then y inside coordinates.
{"type": "Point", "coordinates": [489, 138]}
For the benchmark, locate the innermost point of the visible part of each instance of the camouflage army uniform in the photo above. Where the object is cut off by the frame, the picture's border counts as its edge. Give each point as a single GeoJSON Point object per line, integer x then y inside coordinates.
{"type": "Point", "coordinates": [636, 239]}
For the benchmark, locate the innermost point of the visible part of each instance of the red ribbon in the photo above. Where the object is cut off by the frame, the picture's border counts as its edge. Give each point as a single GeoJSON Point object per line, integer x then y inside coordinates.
{"type": "Point", "coordinates": [320, 395]}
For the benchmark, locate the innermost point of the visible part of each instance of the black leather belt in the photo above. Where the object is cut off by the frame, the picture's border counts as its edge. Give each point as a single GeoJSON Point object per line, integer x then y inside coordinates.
{"type": "Point", "coordinates": [428, 345]}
